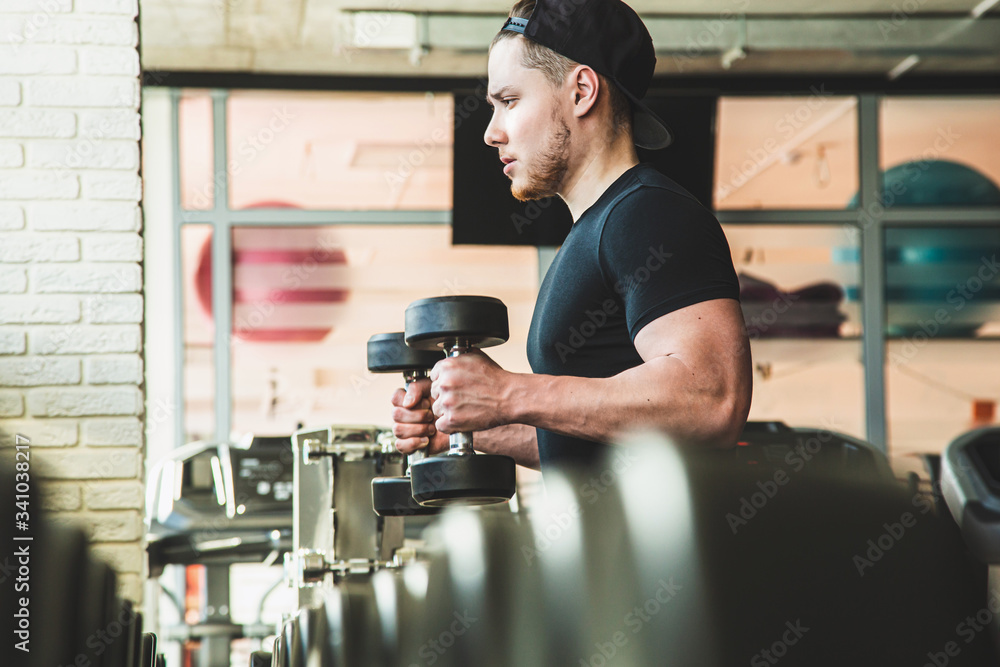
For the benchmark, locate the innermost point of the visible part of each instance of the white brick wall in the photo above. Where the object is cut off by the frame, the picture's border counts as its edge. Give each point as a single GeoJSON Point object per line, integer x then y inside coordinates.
{"type": "Point", "coordinates": [11, 217]}
{"type": "Point", "coordinates": [70, 263]}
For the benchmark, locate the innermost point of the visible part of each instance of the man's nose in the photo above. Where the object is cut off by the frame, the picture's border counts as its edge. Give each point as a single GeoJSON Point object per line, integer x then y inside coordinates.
{"type": "Point", "coordinates": [494, 135]}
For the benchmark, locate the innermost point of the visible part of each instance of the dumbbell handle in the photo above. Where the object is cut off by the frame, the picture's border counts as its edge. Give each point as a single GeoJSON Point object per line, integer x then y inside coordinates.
{"type": "Point", "coordinates": [460, 444]}
{"type": "Point", "coordinates": [412, 376]}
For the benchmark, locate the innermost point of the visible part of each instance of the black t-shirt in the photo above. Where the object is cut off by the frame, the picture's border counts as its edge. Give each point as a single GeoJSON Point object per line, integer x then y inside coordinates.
{"type": "Point", "coordinates": [644, 249]}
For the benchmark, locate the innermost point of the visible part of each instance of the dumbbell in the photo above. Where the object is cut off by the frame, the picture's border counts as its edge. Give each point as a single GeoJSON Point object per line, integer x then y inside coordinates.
{"type": "Point", "coordinates": [457, 324]}
{"type": "Point", "coordinates": [147, 651]}
{"type": "Point", "coordinates": [388, 353]}
{"type": "Point", "coordinates": [261, 659]}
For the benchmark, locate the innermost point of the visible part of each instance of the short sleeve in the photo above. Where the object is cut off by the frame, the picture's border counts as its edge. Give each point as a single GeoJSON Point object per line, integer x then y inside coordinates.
{"type": "Point", "coordinates": [661, 251]}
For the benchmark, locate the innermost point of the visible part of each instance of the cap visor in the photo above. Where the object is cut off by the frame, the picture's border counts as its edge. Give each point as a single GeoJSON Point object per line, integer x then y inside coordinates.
{"type": "Point", "coordinates": [648, 130]}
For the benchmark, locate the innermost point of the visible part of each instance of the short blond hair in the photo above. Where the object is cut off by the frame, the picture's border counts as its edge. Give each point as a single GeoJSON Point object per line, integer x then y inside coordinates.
{"type": "Point", "coordinates": [556, 66]}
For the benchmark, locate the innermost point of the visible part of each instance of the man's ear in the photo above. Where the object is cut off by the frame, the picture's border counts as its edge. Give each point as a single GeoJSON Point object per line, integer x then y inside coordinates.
{"type": "Point", "coordinates": [585, 85]}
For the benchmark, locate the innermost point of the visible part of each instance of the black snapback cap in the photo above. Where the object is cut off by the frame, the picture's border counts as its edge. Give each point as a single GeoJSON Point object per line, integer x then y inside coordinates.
{"type": "Point", "coordinates": [608, 36]}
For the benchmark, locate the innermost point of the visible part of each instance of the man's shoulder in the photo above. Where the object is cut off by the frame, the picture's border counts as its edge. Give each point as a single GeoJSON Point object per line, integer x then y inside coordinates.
{"type": "Point", "coordinates": [648, 195]}
{"type": "Point", "coordinates": [649, 182]}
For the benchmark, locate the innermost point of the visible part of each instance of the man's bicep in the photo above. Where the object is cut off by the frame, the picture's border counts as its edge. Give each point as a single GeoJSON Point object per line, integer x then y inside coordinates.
{"type": "Point", "coordinates": [700, 335]}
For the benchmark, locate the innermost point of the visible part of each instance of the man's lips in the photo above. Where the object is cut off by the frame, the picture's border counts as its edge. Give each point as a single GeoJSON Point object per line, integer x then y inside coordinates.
{"type": "Point", "coordinates": [507, 161]}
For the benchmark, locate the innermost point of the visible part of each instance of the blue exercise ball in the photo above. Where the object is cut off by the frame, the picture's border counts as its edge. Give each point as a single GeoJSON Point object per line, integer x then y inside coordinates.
{"type": "Point", "coordinates": [935, 183]}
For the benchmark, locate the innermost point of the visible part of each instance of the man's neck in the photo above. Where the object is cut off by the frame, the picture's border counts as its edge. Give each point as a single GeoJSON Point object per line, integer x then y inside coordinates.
{"type": "Point", "coordinates": [585, 184]}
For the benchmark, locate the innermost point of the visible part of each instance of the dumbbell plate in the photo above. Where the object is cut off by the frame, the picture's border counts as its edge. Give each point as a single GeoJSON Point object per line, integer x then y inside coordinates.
{"type": "Point", "coordinates": [147, 652]}
{"type": "Point", "coordinates": [389, 353]}
{"type": "Point", "coordinates": [261, 659]}
{"type": "Point", "coordinates": [473, 479]}
{"type": "Point", "coordinates": [480, 321]}
{"type": "Point", "coordinates": [392, 496]}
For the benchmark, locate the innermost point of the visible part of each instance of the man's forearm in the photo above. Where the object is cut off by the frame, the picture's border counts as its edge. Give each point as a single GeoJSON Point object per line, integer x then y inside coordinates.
{"type": "Point", "coordinates": [515, 440]}
{"type": "Point", "coordinates": [663, 393]}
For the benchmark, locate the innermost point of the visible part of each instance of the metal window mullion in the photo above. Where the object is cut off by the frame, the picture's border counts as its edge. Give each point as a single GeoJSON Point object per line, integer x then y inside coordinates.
{"type": "Point", "coordinates": [178, 277]}
{"type": "Point", "coordinates": [896, 216]}
{"type": "Point", "coordinates": [870, 221]}
{"type": "Point", "coordinates": [389, 217]}
{"type": "Point", "coordinates": [938, 217]}
{"type": "Point", "coordinates": [264, 217]}
{"type": "Point", "coordinates": [786, 217]}
{"type": "Point", "coordinates": [222, 270]}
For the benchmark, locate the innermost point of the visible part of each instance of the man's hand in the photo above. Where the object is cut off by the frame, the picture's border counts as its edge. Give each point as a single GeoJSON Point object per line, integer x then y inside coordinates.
{"type": "Point", "coordinates": [469, 393]}
{"type": "Point", "coordinates": [414, 422]}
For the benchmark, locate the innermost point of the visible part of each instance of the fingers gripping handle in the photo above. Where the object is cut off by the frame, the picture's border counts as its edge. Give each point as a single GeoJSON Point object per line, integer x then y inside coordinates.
{"type": "Point", "coordinates": [460, 444]}
{"type": "Point", "coordinates": [412, 376]}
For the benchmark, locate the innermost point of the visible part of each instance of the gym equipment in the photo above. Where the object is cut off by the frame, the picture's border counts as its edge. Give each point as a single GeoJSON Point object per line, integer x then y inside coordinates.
{"type": "Point", "coordinates": [662, 555]}
{"type": "Point", "coordinates": [388, 353]}
{"type": "Point", "coordinates": [337, 534]}
{"type": "Point", "coordinates": [798, 448]}
{"type": "Point", "coordinates": [400, 601]}
{"type": "Point", "coordinates": [970, 484]}
{"type": "Point", "coordinates": [360, 621]}
{"type": "Point", "coordinates": [457, 324]}
{"type": "Point", "coordinates": [59, 604]}
{"type": "Point", "coordinates": [236, 497]}
{"type": "Point", "coordinates": [147, 652]}
{"type": "Point", "coordinates": [234, 506]}
{"type": "Point", "coordinates": [486, 602]}
{"type": "Point", "coordinates": [261, 659]}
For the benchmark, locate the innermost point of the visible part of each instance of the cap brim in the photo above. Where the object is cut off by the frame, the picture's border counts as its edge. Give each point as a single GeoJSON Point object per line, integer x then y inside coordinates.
{"type": "Point", "coordinates": [648, 130]}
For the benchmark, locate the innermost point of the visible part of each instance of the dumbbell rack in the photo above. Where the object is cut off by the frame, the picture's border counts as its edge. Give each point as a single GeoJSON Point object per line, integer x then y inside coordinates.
{"type": "Point", "coordinates": [335, 532]}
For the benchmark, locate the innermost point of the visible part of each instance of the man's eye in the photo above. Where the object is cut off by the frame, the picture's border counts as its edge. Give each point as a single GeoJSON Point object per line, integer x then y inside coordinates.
{"type": "Point", "coordinates": [508, 100]}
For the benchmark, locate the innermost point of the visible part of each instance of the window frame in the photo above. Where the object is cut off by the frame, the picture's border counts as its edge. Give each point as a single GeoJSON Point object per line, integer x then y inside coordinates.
{"type": "Point", "coordinates": [869, 218]}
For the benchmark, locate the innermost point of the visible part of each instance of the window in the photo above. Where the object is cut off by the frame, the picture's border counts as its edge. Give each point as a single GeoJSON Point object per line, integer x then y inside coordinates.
{"type": "Point", "coordinates": [943, 358]}
{"type": "Point", "coordinates": [315, 275]}
{"type": "Point", "coordinates": [199, 349]}
{"type": "Point", "coordinates": [800, 299]}
{"type": "Point", "coordinates": [306, 300]}
{"type": "Point", "coordinates": [195, 145]}
{"type": "Point", "coordinates": [940, 151]}
{"type": "Point", "coordinates": [339, 151]}
{"type": "Point", "coordinates": [786, 152]}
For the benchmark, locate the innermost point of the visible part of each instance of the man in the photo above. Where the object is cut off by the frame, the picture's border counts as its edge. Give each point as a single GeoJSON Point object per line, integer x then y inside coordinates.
{"type": "Point", "coordinates": [638, 322]}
